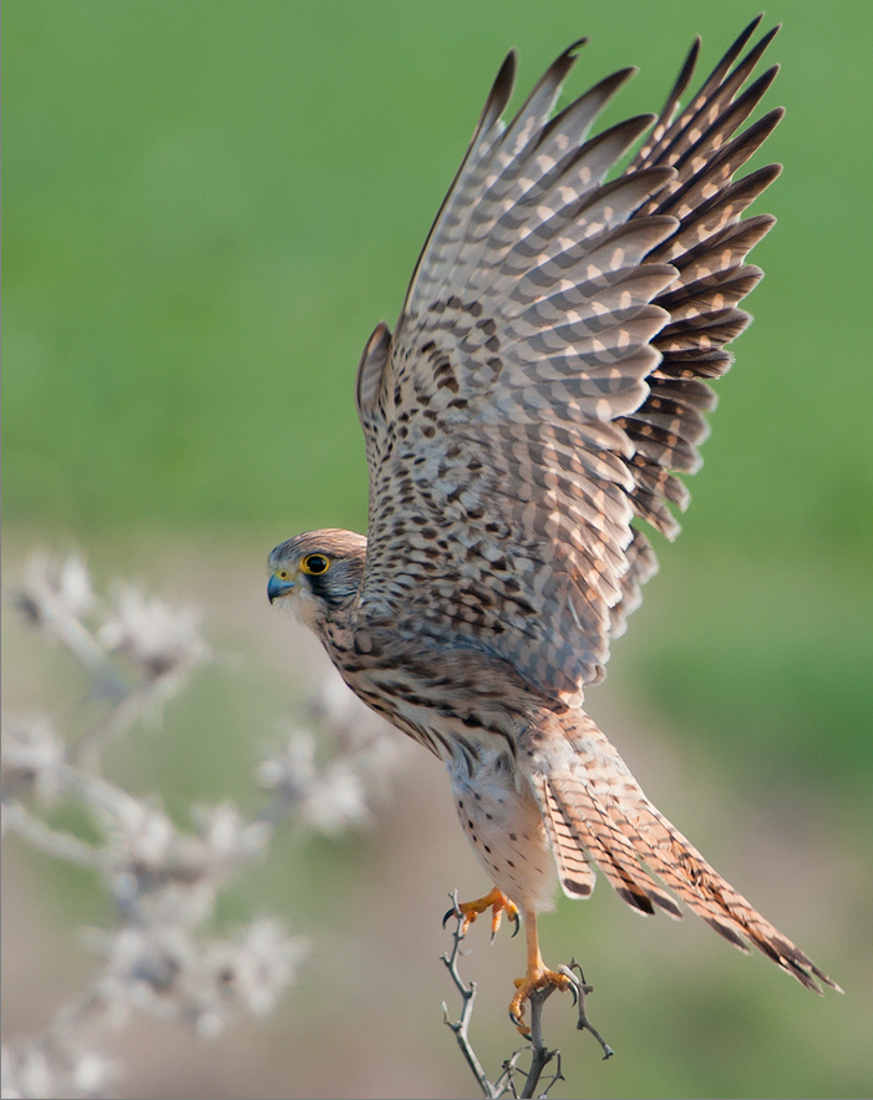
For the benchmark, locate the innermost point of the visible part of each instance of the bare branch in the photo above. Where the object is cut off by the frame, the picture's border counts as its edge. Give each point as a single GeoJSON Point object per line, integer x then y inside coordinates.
{"type": "Point", "coordinates": [582, 989]}
{"type": "Point", "coordinates": [541, 1057]}
{"type": "Point", "coordinates": [468, 996]}
{"type": "Point", "coordinates": [18, 819]}
{"type": "Point", "coordinates": [531, 1081]}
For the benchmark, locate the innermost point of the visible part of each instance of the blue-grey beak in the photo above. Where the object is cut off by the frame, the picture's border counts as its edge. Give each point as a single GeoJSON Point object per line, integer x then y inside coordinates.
{"type": "Point", "coordinates": [276, 587]}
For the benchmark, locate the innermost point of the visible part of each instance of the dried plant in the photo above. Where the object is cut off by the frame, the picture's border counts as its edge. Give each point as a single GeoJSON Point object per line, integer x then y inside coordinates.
{"type": "Point", "coordinates": [164, 881]}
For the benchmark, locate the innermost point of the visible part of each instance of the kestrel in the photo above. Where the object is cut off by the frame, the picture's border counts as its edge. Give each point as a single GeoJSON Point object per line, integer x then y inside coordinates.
{"type": "Point", "coordinates": [546, 380]}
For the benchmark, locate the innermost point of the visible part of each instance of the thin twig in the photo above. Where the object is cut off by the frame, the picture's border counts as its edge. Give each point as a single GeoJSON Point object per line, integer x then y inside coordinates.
{"type": "Point", "coordinates": [468, 996]}
{"type": "Point", "coordinates": [61, 845]}
{"type": "Point", "coordinates": [127, 711]}
{"type": "Point", "coordinates": [506, 1081]}
{"type": "Point", "coordinates": [582, 989]}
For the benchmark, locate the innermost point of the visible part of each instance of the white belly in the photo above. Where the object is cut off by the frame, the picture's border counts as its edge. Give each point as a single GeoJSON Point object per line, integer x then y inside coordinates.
{"type": "Point", "coordinates": [503, 823]}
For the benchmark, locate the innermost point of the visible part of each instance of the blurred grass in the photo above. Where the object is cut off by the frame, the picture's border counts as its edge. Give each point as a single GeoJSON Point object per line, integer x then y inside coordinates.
{"type": "Point", "coordinates": [207, 209]}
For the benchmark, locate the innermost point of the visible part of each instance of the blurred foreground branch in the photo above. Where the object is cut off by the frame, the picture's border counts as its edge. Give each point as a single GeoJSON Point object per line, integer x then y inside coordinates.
{"type": "Point", "coordinates": [163, 881]}
{"type": "Point", "coordinates": [513, 1077]}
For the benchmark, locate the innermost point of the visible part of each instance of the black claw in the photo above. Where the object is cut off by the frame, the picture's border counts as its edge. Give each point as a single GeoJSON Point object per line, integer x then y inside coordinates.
{"type": "Point", "coordinates": [517, 1020]}
{"type": "Point", "coordinates": [517, 922]}
{"type": "Point", "coordinates": [453, 912]}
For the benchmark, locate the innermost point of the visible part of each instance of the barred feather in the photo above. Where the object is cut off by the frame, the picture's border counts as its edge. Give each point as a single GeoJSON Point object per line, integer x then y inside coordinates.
{"type": "Point", "coordinates": [595, 810]}
{"type": "Point", "coordinates": [547, 373]}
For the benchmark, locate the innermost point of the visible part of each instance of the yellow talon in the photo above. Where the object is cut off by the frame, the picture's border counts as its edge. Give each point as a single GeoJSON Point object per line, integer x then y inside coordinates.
{"type": "Point", "coordinates": [538, 976]}
{"type": "Point", "coordinates": [497, 902]}
{"type": "Point", "coordinates": [532, 981]}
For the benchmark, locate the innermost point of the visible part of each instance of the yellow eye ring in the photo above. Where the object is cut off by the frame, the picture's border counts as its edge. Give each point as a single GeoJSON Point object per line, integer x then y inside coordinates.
{"type": "Point", "coordinates": [315, 564]}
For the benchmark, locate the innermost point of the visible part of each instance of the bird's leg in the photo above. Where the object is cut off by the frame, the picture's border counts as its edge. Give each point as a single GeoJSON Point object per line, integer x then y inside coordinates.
{"type": "Point", "coordinates": [538, 975]}
{"type": "Point", "coordinates": [496, 901]}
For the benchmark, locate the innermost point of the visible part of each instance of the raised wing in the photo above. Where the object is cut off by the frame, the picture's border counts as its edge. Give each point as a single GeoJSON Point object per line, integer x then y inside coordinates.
{"type": "Point", "coordinates": [547, 375]}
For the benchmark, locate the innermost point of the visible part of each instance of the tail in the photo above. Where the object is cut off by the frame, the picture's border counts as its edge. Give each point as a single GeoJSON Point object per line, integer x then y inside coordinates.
{"type": "Point", "coordinates": [594, 810]}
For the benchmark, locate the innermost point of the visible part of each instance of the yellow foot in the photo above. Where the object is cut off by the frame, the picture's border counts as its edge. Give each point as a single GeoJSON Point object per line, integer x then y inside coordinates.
{"type": "Point", "coordinates": [538, 977]}
{"type": "Point", "coordinates": [496, 901]}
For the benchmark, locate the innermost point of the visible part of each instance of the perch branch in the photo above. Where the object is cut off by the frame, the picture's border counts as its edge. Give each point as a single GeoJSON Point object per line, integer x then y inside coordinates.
{"type": "Point", "coordinates": [507, 1083]}
{"type": "Point", "coordinates": [461, 1027]}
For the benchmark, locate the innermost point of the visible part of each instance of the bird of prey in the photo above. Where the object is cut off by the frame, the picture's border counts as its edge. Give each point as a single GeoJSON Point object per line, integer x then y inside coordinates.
{"type": "Point", "coordinates": [544, 383]}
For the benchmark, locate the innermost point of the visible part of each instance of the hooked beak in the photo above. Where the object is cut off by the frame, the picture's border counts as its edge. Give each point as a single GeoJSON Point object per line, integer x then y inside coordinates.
{"type": "Point", "coordinates": [276, 587]}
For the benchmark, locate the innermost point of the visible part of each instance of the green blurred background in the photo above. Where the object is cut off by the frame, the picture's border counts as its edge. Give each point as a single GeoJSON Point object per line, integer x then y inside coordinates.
{"type": "Point", "coordinates": [208, 206]}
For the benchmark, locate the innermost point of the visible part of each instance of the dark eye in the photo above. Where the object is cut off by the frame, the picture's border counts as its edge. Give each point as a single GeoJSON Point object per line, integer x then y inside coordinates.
{"type": "Point", "coordinates": [315, 564]}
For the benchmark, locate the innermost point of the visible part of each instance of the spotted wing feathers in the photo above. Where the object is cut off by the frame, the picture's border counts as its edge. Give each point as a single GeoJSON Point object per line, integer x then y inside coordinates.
{"type": "Point", "coordinates": [547, 378]}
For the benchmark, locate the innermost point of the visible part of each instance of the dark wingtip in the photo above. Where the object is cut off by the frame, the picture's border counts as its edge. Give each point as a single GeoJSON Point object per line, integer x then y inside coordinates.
{"type": "Point", "coordinates": [506, 72]}
{"type": "Point", "coordinates": [688, 67]}
{"type": "Point", "coordinates": [769, 36]}
{"type": "Point", "coordinates": [503, 84]}
{"type": "Point", "coordinates": [576, 46]}
{"type": "Point", "coordinates": [565, 61]}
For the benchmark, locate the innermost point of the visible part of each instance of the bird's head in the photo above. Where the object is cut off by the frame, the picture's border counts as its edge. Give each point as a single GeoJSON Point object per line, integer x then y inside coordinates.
{"type": "Point", "coordinates": [317, 573]}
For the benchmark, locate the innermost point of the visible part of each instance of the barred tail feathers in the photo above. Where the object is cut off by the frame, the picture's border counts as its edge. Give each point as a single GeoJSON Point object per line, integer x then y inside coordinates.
{"type": "Point", "coordinates": [596, 814]}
